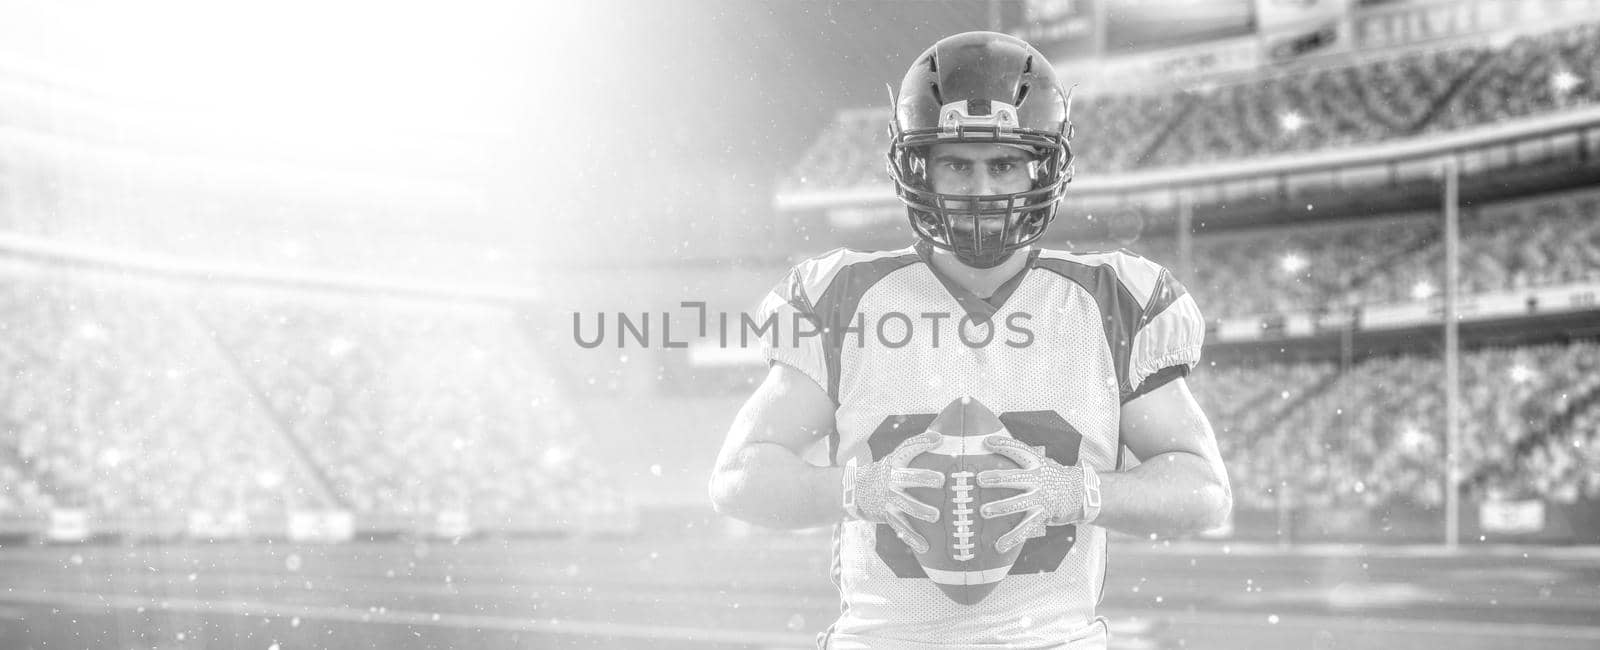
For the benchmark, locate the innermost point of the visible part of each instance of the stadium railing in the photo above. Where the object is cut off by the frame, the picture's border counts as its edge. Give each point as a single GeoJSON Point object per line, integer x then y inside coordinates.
{"type": "Point", "coordinates": [1568, 135]}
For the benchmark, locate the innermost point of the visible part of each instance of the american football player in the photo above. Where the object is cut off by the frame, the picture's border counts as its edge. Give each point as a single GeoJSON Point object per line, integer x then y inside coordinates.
{"type": "Point", "coordinates": [981, 156]}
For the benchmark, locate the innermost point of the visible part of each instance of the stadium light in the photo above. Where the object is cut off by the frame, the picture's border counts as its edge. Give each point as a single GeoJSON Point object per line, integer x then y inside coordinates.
{"type": "Point", "coordinates": [91, 332]}
{"type": "Point", "coordinates": [1293, 263]}
{"type": "Point", "coordinates": [269, 479]}
{"type": "Point", "coordinates": [1422, 290]}
{"type": "Point", "coordinates": [291, 249]}
{"type": "Point", "coordinates": [1563, 81]}
{"type": "Point", "coordinates": [1522, 374]}
{"type": "Point", "coordinates": [339, 346]}
{"type": "Point", "coordinates": [1412, 439]}
{"type": "Point", "coordinates": [1291, 121]}
{"type": "Point", "coordinates": [555, 457]}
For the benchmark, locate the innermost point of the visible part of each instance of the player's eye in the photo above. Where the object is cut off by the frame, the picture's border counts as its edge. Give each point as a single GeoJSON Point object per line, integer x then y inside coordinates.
{"type": "Point", "coordinates": [958, 166]}
{"type": "Point", "coordinates": [1003, 168]}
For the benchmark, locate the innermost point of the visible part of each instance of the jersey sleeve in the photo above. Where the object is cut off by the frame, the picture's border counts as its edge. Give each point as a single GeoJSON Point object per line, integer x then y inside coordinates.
{"type": "Point", "coordinates": [794, 336]}
{"type": "Point", "coordinates": [1170, 334]}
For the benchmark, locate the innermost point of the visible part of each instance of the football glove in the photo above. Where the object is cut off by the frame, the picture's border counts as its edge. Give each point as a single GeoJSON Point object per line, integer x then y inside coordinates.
{"type": "Point", "coordinates": [1052, 494]}
{"type": "Point", "coordinates": [876, 492]}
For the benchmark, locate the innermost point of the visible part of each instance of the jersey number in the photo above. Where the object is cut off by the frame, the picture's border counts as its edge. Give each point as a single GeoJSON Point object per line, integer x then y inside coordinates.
{"type": "Point", "coordinates": [1061, 443]}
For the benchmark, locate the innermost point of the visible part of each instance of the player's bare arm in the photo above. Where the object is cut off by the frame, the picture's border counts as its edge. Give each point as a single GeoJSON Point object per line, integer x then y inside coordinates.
{"type": "Point", "coordinates": [1180, 485]}
{"type": "Point", "coordinates": [760, 475]}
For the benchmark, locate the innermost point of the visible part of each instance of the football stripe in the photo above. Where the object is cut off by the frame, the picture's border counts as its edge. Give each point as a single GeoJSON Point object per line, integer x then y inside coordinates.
{"type": "Point", "coordinates": [953, 445]}
{"type": "Point", "coordinates": [956, 578]}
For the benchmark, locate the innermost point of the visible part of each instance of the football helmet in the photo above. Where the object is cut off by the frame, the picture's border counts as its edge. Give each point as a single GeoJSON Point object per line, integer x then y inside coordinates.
{"type": "Point", "coordinates": [981, 87]}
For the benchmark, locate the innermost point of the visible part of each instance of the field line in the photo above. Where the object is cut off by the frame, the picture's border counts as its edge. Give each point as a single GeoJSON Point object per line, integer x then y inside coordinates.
{"type": "Point", "coordinates": [407, 617]}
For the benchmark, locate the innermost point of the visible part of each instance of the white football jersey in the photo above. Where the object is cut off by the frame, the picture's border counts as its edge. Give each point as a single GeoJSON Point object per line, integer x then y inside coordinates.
{"type": "Point", "coordinates": [1054, 353]}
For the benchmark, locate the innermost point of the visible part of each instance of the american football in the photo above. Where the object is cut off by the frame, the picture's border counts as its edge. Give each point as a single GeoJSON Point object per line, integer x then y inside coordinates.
{"type": "Point", "coordinates": [961, 555]}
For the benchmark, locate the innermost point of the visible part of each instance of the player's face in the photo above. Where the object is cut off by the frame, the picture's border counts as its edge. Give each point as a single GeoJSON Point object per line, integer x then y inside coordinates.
{"type": "Point", "coordinates": [978, 169]}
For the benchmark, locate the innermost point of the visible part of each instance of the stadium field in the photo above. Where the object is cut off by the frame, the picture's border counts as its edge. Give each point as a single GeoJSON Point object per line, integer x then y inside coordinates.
{"type": "Point", "coordinates": [755, 592]}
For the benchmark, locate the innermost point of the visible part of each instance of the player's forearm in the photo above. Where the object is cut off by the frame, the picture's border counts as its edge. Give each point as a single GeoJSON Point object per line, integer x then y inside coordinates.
{"type": "Point", "coordinates": [770, 486]}
{"type": "Point", "coordinates": [1169, 494]}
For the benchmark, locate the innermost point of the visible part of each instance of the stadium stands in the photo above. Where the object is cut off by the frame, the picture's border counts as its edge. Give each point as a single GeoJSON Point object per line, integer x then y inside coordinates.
{"type": "Point", "coordinates": [1324, 108]}
{"type": "Point", "coordinates": [1245, 401]}
{"type": "Point", "coordinates": [1404, 95]}
{"type": "Point", "coordinates": [411, 408]}
{"type": "Point", "coordinates": [111, 410]}
{"type": "Point", "coordinates": [1549, 240]}
{"type": "Point", "coordinates": [1529, 76]}
{"type": "Point", "coordinates": [1291, 270]}
{"type": "Point", "coordinates": [1373, 436]}
{"type": "Point", "coordinates": [157, 399]}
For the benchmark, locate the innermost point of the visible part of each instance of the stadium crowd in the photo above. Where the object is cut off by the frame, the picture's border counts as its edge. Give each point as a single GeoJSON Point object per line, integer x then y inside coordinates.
{"type": "Point", "coordinates": [1403, 95]}
{"type": "Point", "coordinates": [411, 408]}
{"type": "Point", "coordinates": [1243, 400]}
{"type": "Point", "coordinates": [131, 400]}
{"type": "Point", "coordinates": [1328, 266]}
{"type": "Point", "coordinates": [114, 404]}
{"type": "Point", "coordinates": [1373, 436]}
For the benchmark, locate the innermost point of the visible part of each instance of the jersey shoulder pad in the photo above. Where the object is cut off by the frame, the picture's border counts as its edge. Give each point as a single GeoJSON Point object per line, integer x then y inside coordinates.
{"type": "Point", "coordinates": [815, 275]}
{"type": "Point", "coordinates": [1140, 276]}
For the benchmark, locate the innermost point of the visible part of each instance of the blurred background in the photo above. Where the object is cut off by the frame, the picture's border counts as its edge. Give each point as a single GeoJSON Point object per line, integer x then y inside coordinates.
{"type": "Point", "coordinates": [294, 296]}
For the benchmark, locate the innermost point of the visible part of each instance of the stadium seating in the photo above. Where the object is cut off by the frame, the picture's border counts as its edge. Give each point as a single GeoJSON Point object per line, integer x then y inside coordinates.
{"type": "Point", "coordinates": [1529, 76]}
{"type": "Point", "coordinates": [1403, 95]}
{"type": "Point", "coordinates": [156, 399]}
{"type": "Point", "coordinates": [1374, 435]}
{"type": "Point", "coordinates": [1245, 400]}
{"type": "Point", "coordinates": [411, 408]}
{"type": "Point", "coordinates": [1300, 111]}
{"type": "Point", "coordinates": [118, 406]}
{"type": "Point", "coordinates": [1549, 240]}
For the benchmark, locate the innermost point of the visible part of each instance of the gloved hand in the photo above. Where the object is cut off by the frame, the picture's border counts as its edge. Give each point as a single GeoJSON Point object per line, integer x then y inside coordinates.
{"type": "Point", "coordinates": [876, 492]}
{"type": "Point", "coordinates": [1053, 494]}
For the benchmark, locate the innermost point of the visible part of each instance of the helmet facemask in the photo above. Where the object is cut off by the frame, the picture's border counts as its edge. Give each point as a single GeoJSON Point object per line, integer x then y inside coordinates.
{"type": "Point", "coordinates": [981, 230]}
